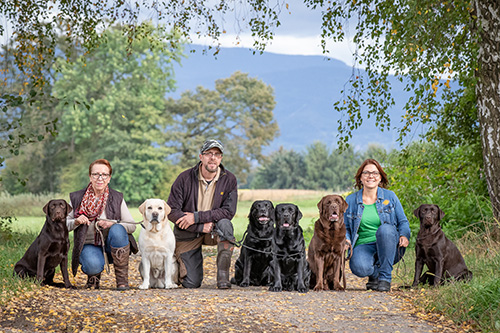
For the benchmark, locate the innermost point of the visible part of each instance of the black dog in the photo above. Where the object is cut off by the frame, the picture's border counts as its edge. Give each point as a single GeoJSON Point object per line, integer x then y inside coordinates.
{"type": "Point", "coordinates": [433, 249]}
{"type": "Point", "coordinates": [252, 266]}
{"type": "Point", "coordinates": [49, 249]}
{"type": "Point", "coordinates": [289, 267]}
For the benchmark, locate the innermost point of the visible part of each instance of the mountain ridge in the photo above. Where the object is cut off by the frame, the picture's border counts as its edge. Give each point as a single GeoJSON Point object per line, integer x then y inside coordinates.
{"type": "Point", "coordinates": [305, 88]}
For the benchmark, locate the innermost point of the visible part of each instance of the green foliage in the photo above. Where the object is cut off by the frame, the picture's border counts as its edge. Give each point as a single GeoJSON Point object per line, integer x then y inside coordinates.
{"type": "Point", "coordinates": [117, 113]}
{"type": "Point", "coordinates": [433, 173]}
{"type": "Point", "coordinates": [473, 304]}
{"type": "Point", "coordinates": [6, 226]}
{"type": "Point", "coordinates": [283, 169]}
{"type": "Point", "coordinates": [239, 113]}
{"type": "Point", "coordinates": [423, 43]}
{"type": "Point", "coordinates": [317, 168]}
{"type": "Point", "coordinates": [12, 247]}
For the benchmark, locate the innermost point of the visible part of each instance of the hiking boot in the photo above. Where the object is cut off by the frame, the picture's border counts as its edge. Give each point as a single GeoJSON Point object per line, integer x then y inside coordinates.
{"type": "Point", "coordinates": [372, 283]}
{"type": "Point", "coordinates": [384, 286]}
{"type": "Point", "coordinates": [120, 262]}
{"type": "Point", "coordinates": [93, 281]}
{"type": "Point", "coordinates": [224, 254]}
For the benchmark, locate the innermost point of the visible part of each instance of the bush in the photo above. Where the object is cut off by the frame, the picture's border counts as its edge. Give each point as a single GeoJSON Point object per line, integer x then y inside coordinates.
{"type": "Point", "coordinates": [429, 173]}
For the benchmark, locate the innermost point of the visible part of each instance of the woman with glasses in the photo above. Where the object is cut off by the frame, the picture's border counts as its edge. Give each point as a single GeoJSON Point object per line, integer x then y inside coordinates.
{"type": "Point", "coordinates": [376, 227]}
{"type": "Point", "coordinates": [96, 238]}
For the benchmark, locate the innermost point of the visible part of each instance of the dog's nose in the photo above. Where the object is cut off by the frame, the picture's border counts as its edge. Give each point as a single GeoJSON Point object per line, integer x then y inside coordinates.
{"type": "Point", "coordinates": [155, 216]}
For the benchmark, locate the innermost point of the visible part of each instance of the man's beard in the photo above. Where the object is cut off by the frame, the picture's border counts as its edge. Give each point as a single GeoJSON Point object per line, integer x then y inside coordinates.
{"type": "Point", "coordinates": [207, 167]}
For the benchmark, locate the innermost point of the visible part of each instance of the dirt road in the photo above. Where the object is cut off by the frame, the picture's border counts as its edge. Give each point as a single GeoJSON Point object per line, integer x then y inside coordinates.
{"type": "Point", "coordinates": [208, 309]}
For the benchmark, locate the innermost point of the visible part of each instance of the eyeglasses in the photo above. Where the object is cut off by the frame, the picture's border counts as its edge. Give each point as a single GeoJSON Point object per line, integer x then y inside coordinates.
{"type": "Point", "coordinates": [96, 176]}
{"type": "Point", "coordinates": [210, 154]}
{"type": "Point", "coordinates": [370, 173]}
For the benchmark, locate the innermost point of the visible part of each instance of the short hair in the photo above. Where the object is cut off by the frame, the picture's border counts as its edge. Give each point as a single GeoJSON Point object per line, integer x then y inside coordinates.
{"type": "Point", "coordinates": [101, 161]}
{"type": "Point", "coordinates": [384, 182]}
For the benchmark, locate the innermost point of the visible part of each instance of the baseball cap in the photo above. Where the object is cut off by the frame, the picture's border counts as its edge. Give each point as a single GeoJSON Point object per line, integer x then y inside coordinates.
{"type": "Point", "coordinates": [209, 144]}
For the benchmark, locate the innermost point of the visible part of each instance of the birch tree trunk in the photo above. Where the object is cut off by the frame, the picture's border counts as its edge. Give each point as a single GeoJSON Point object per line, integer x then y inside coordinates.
{"type": "Point", "coordinates": [488, 94]}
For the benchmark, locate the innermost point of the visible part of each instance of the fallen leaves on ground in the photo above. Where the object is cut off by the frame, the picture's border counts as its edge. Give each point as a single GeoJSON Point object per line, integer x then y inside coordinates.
{"type": "Point", "coordinates": [207, 309]}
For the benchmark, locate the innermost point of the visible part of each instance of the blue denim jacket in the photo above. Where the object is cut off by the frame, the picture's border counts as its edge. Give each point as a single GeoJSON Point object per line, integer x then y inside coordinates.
{"type": "Point", "coordinates": [389, 210]}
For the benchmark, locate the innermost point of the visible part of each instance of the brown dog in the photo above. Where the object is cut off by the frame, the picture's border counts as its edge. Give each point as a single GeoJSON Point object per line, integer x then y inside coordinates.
{"type": "Point", "coordinates": [328, 245]}
{"type": "Point", "coordinates": [49, 249]}
{"type": "Point", "coordinates": [433, 249]}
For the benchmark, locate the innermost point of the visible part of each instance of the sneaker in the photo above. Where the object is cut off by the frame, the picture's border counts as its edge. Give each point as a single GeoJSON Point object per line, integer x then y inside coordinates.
{"type": "Point", "coordinates": [384, 286]}
{"type": "Point", "coordinates": [372, 283]}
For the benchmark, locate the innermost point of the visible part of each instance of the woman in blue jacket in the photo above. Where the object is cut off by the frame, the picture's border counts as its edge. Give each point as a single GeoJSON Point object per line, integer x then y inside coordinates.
{"type": "Point", "coordinates": [376, 227]}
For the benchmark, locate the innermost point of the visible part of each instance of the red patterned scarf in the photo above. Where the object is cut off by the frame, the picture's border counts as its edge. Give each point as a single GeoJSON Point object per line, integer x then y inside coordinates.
{"type": "Point", "coordinates": [92, 206]}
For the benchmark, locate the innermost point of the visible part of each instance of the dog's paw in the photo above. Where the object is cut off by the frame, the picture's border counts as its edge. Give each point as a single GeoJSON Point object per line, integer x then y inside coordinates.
{"type": "Point", "coordinates": [319, 288]}
{"type": "Point", "coordinates": [275, 288]}
{"type": "Point", "coordinates": [171, 286]}
{"type": "Point", "coordinates": [244, 283]}
{"type": "Point", "coordinates": [144, 286]}
{"type": "Point", "coordinates": [302, 290]}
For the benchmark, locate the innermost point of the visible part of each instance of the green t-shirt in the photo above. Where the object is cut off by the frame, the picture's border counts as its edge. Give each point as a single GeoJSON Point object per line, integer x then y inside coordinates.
{"type": "Point", "coordinates": [370, 221]}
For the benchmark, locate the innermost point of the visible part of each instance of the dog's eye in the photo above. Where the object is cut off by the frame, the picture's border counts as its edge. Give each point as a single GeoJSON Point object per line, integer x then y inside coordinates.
{"type": "Point", "coordinates": [160, 208]}
{"type": "Point", "coordinates": [149, 207]}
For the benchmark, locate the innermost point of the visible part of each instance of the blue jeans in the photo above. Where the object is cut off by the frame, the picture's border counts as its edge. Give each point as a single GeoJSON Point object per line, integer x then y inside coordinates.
{"type": "Point", "coordinates": [92, 258]}
{"type": "Point", "coordinates": [376, 259]}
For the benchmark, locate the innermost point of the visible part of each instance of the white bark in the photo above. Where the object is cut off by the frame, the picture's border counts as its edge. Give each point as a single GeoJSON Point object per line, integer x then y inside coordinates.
{"type": "Point", "coordinates": [488, 94]}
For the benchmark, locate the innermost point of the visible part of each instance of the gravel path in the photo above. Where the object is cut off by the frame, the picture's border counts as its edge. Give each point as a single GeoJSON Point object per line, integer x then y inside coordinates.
{"type": "Point", "coordinates": [208, 309]}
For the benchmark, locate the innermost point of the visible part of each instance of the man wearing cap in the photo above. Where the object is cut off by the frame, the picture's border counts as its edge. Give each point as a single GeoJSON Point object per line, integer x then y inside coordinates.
{"type": "Point", "coordinates": [203, 201]}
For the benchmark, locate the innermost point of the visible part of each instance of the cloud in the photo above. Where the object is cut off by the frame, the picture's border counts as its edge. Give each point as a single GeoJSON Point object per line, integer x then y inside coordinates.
{"type": "Point", "coordinates": [298, 34]}
{"type": "Point", "coordinates": [287, 44]}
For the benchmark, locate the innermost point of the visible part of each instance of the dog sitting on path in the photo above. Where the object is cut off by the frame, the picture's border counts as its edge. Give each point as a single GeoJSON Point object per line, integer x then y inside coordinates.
{"type": "Point", "coordinates": [50, 248]}
{"type": "Point", "coordinates": [158, 267]}
{"type": "Point", "coordinates": [442, 257]}
{"type": "Point", "coordinates": [252, 266]}
{"type": "Point", "coordinates": [289, 268]}
{"type": "Point", "coordinates": [328, 245]}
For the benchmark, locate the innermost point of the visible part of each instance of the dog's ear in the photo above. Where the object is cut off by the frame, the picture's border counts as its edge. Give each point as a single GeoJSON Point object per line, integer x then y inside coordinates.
{"type": "Point", "coordinates": [68, 208]}
{"type": "Point", "coordinates": [441, 214]}
{"type": "Point", "coordinates": [46, 208]}
{"type": "Point", "coordinates": [299, 214]}
{"type": "Point", "coordinates": [345, 205]}
{"type": "Point", "coordinates": [167, 208]}
{"type": "Point", "coordinates": [271, 211]}
{"type": "Point", "coordinates": [142, 207]}
{"type": "Point", "coordinates": [320, 205]}
{"type": "Point", "coordinates": [251, 209]}
{"type": "Point", "coordinates": [416, 212]}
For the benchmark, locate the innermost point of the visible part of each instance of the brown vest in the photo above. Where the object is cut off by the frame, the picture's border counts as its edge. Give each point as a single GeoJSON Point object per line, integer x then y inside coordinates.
{"type": "Point", "coordinates": [113, 212]}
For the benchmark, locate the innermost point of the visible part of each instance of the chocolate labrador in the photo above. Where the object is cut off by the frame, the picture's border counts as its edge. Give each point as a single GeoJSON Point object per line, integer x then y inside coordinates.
{"type": "Point", "coordinates": [289, 267]}
{"type": "Point", "coordinates": [328, 245]}
{"type": "Point", "coordinates": [252, 266]}
{"type": "Point", "coordinates": [49, 249]}
{"type": "Point", "coordinates": [442, 257]}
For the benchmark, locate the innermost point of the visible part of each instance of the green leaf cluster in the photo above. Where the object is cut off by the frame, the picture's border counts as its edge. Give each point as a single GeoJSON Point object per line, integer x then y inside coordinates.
{"type": "Point", "coordinates": [433, 173]}
{"type": "Point", "coordinates": [318, 168]}
{"type": "Point", "coordinates": [238, 112]}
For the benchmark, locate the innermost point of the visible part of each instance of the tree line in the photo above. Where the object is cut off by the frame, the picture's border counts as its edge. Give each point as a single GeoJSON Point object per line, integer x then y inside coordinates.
{"type": "Point", "coordinates": [112, 103]}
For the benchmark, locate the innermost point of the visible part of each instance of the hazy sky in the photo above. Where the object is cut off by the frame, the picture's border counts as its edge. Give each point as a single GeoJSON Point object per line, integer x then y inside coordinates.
{"type": "Point", "coordinates": [298, 34]}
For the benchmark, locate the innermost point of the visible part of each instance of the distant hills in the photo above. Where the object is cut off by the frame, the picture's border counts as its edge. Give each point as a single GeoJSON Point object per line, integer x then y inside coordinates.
{"type": "Point", "coordinates": [305, 89]}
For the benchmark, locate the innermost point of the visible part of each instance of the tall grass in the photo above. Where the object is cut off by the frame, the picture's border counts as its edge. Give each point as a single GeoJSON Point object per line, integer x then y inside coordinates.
{"type": "Point", "coordinates": [475, 303]}
{"type": "Point", "coordinates": [12, 247]}
{"type": "Point", "coordinates": [26, 204]}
